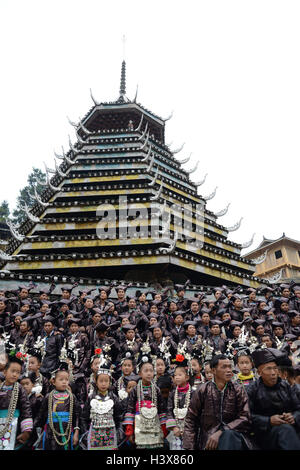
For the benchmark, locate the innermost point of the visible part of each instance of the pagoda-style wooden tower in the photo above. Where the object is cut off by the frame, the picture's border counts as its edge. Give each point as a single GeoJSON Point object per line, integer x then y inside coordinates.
{"type": "Point", "coordinates": [121, 151]}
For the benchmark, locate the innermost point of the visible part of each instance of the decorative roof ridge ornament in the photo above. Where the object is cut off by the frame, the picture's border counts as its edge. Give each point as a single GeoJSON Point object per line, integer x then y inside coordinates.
{"type": "Point", "coordinates": [168, 118]}
{"type": "Point", "coordinates": [235, 227]}
{"type": "Point", "coordinates": [28, 213]}
{"type": "Point", "coordinates": [249, 243]}
{"type": "Point", "coordinates": [192, 170]}
{"type": "Point", "coordinates": [5, 257]}
{"type": "Point", "coordinates": [185, 160]}
{"type": "Point", "coordinates": [37, 198]}
{"type": "Point", "coordinates": [157, 195]}
{"type": "Point", "coordinates": [211, 195]}
{"type": "Point", "coordinates": [84, 128]}
{"type": "Point", "coordinates": [92, 96]}
{"type": "Point", "coordinates": [172, 245]}
{"type": "Point", "coordinates": [80, 140]}
{"type": "Point", "coordinates": [199, 183]}
{"type": "Point", "coordinates": [74, 150]}
{"type": "Point", "coordinates": [144, 132]}
{"type": "Point", "coordinates": [179, 149]}
{"type": "Point", "coordinates": [40, 182]}
{"type": "Point", "coordinates": [48, 183]}
{"type": "Point", "coordinates": [260, 258]}
{"type": "Point", "coordinates": [140, 124]}
{"type": "Point", "coordinates": [49, 169]}
{"type": "Point", "coordinates": [13, 230]}
{"type": "Point", "coordinates": [223, 211]}
{"type": "Point", "coordinates": [166, 227]}
{"type": "Point", "coordinates": [275, 278]}
{"type": "Point", "coordinates": [136, 93]}
{"type": "Point", "coordinates": [154, 179]}
{"type": "Point", "coordinates": [73, 123]}
{"type": "Point", "coordinates": [58, 156]}
{"type": "Point", "coordinates": [146, 142]}
{"type": "Point", "coordinates": [162, 209]}
{"type": "Point", "coordinates": [67, 159]}
{"type": "Point", "coordinates": [61, 173]}
{"type": "Point", "coordinates": [148, 155]}
{"type": "Point", "coordinates": [151, 164]}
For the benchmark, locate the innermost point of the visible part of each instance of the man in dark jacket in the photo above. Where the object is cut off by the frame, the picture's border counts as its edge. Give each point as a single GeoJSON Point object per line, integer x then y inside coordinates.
{"type": "Point", "coordinates": [219, 415]}
{"type": "Point", "coordinates": [274, 407]}
{"type": "Point", "coordinates": [54, 343]}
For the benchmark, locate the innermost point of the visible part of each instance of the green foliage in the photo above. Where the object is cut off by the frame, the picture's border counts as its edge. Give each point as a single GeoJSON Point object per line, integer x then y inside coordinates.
{"type": "Point", "coordinates": [18, 214]}
{"type": "Point", "coordinates": [4, 211]}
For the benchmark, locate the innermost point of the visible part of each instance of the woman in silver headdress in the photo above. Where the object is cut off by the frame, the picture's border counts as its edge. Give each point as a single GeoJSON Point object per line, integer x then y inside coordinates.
{"type": "Point", "coordinates": [102, 413]}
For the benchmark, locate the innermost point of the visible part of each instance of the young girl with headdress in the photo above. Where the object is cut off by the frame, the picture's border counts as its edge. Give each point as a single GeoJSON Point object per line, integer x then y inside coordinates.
{"type": "Point", "coordinates": [127, 368]}
{"type": "Point", "coordinates": [145, 419]}
{"type": "Point", "coordinates": [179, 398]}
{"type": "Point", "coordinates": [60, 412]}
{"type": "Point", "coordinates": [178, 403]}
{"type": "Point", "coordinates": [244, 362]}
{"type": "Point", "coordinates": [102, 413]}
{"type": "Point", "coordinates": [196, 366]}
{"type": "Point", "coordinates": [15, 412]}
{"type": "Point", "coordinates": [94, 363]}
{"type": "Point", "coordinates": [36, 355]}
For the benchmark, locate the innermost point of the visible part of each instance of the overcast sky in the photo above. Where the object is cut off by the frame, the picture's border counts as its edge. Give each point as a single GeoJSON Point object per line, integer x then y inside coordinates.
{"type": "Point", "coordinates": [230, 70]}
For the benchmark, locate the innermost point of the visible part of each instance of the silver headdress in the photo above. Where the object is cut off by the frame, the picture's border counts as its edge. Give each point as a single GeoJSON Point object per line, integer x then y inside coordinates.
{"type": "Point", "coordinates": [104, 366]}
{"type": "Point", "coordinates": [207, 351]}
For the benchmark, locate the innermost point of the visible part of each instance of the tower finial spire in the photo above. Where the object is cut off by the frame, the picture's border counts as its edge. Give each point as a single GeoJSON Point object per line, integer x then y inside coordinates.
{"type": "Point", "coordinates": [123, 79]}
{"type": "Point", "coordinates": [123, 74]}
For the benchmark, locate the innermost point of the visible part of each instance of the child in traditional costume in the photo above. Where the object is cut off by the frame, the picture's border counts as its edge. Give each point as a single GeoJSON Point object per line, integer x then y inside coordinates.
{"type": "Point", "coordinates": [15, 413]}
{"type": "Point", "coordinates": [59, 413]}
{"type": "Point", "coordinates": [145, 419]}
{"type": "Point", "coordinates": [127, 369]}
{"type": "Point", "coordinates": [102, 414]}
{"type": "Point", "coordinates": [244, 362]}
{"type": "Point", "coordinates": [27, 381]}
{"type": "Point", "coordinates": [208, 375]}
{"type": "Point", "coordinates": [178, 404]}
{"type": "Point", "coordinates": [196, 379]}
{"type": "Point", "coordinates": [36, 354]}
{"type": "Point", "coordinates": [94, 365]}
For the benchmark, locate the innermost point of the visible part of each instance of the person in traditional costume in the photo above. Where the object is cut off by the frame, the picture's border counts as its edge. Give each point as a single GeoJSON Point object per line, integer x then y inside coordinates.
{"type": "Point", "coordinates": [79, 344]}
{"type": "Point", "coordinates": [53, 345]}
{"type": "Point", "coordinates": [274, 406]}
{"type": "Point", "coordinates": [244, 362]}
{"type": "Point", "coordinates": [105, 342]}
{"type": "Point", "coordinates": [94, 363]}
{"type": "Point", "coordinates": [16, 422]}
{"type": "Point", "coordinates": [27, 380]}
{"type": "Point", "coordinates": [102, 413]}
{"type": "Point", "coordinates": [219, 415]}
{"type": "Point", "coordinates": [41, 384]}
{"type": "Point", "coordinates": [165, 384]}
{"type": "Point", "coordinates": [178, 404]}
{"type": "Point", "coordinates": [132, 342]}
{"type": "Point", "coordinates": [59, 414]}
{"type": "Point", "coordinates": [215, 338]}
{"type": "Point", "coordinates": [90, 329]}
{"type": "Point", "coordinates": [192, 339]}
{"type": "Point", "coordinates": [24, 338]}
{"type": "Point", "coordinates": [196, 377]}
{"type": "Point", "coordinates": [177, 331]}
{"type": "Point", "coordinates": [127, 369]}
{"type": "Point", "coordinates": [208, 375]}
{"type": "Point", "coordinates": [145, 419]}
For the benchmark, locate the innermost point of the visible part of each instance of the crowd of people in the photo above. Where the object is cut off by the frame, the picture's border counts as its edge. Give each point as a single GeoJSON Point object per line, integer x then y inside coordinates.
{"type": "Point", "coordinates": [157, 370]}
